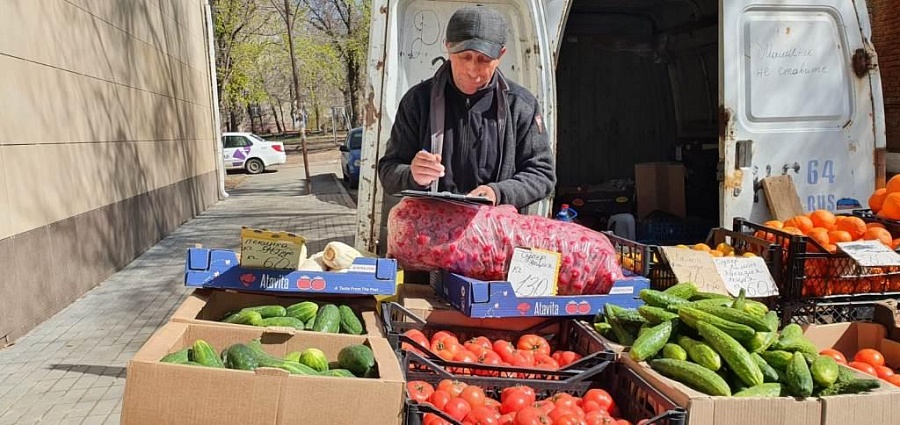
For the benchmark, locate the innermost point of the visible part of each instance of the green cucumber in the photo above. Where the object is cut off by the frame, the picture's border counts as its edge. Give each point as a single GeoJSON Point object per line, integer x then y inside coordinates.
{"type": "Point", "coordinates": [267, 311]}
{"type": "Point", "coordinates": [674, 351]}
{"type": "Point", "coordinates": [315, 359]}
{"type": "Point", "coordinates": [824, 370]}
{"type": "Point", "coordinates": [798, 377]}
{"type": "Point", "coordinates": [205, 354]}
{"type": "Point", "coordinates": [734, 354]}
{"type": "Point", "coordinates": [357, 358]}
{"type": "Point", "coordinates": [350, 324]}
{"type": "Point", "coordinates": [692, 375]}
{"type": "Point", "coordinates": [660, 299]}
{"type": "Point", "coordinates": [692, 316]}
{"type": "Point", "coordinates": [339, 373]}
{"type": "Point", "coordinates": [180, 356]}
{"type": "Point", "coordinates": [304, 311]}
{"type": "Point", "coordinates": [286, 321]}
{"type": "Point", "coordinates": [769, 373]}
{"type": "Point", "coordinates": [761, 391]}
{"type": "Point", "coordinates": [777, 358]}
{"type": "Point", "coordinates": [756, 308]}
{"type": "Point", "coordinates": [244, 317]}
{"type": "Point", "coordinates": [792, 330]}
{"type": "Point", "coordinates": [656, 315]}
{"type": "Point", "coordinates": [710, 296]}
{"type": "Point", "coordinates": [771, 319]}
{"type": "Point", "coordinates": [240, 357]}
{"type": "Point", "coordinates": [328, 319]}
{"type": "Point", "coordinates": [684, 290]}
{"type": "Point", "coordinates": [794, 344]}
{"type": "Point", "coordinates": [651, 342]}
{"type": "Point", "coordinates": [740, 301]}
{"type": "Point", "coordinates": [737, 316]}
{"type": "Point", "coordinates": [761, 341]}
{"type": "Point", "coordinates": [700, 353]}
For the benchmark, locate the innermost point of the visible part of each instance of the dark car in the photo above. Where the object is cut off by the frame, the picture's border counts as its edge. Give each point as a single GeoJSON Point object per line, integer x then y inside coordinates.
{"type": "Point", "coordinates": [350, 156]}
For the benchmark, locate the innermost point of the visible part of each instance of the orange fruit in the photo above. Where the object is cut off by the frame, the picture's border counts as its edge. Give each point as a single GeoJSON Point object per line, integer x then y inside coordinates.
{"type": "Point", "coordinates": [877, 199]}
{"type": "Point", "coordinates": [775, 224]}
{"type": "Point", "coordinates": [874, 224]}
{"type": "Point", "coordinates": [716, 253]}
{"type": "Point", "coordinates": [855, 226]}
{"type": "Point", "coordinates": [893, 185]}
{"type": "Point", "coordinates": [819, 235]}
{"type": "Point", "coordinates": [822, 218]}
{"type": "Point", "coordinates": [891, 207]}
{"type": "Point", "coordinates": [879, 234]}
{"type": "Point", "coordinates": [792, 230]}
{"type": "Point", "coordinates": [801, 222]}
{"type": "Point", "coordinates": [836, 236]}
{"type": "Point", "coordinates": [701, 247]}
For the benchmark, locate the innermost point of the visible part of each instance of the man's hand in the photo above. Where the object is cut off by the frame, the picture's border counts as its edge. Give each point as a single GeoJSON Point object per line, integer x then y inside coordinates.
{"type": "Point", "coordinates": [484, 191]}
{"type": "Point", "coordinates": [426, 168]}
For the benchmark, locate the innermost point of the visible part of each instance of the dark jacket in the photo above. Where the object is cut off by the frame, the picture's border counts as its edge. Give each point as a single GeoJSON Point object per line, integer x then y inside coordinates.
{"type": "Point", "coordinates": [519, 168]}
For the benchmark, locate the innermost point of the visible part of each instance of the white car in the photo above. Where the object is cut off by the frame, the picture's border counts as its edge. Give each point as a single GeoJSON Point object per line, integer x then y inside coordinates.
{"type": "Point", "coordinates": [251, 152]}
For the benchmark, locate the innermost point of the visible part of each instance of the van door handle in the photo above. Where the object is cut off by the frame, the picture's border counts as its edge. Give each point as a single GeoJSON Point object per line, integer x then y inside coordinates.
{"type": "Point", "coordinates": [743, 154]}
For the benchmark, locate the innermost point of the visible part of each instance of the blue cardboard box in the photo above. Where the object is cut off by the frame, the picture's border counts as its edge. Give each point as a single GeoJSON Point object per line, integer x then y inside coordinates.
{"type": "Point", "coordinates": [220, 268]}
{"type": "Point", "coordinates": [480, 299]}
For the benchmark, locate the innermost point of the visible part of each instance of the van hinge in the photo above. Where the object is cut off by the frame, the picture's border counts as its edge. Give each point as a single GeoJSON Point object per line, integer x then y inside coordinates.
{"type": "Point", "coordinates": [720, 171]}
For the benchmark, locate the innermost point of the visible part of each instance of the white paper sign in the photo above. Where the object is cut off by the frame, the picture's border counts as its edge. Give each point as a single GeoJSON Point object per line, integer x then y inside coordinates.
{"type": "Point", "coordinates": [748, 273]}
{"type": "Point", "coordinates": [533, 272]}
{"type": "Point", "coordinates": [870, 253]}
{"type": "Point", "coordinates": [694, 266]}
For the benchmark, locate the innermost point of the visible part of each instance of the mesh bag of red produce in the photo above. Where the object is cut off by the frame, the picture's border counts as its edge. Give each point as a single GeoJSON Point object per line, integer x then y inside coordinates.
{"type": "Point", "coordinates": [478, 242]}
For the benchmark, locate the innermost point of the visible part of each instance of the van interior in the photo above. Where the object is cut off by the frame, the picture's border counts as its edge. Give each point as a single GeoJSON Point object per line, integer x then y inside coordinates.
{"type": "Point", "coordinates": [637, 82]}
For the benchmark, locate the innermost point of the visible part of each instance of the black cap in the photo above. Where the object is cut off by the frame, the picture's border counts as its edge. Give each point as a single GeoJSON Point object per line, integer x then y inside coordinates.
{"type": "Point", "coordinates": [477, 28]}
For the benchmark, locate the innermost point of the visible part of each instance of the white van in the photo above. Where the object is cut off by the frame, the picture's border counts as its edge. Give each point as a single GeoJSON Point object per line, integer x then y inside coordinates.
{"type": "Point", "coordinates": [737, 90]}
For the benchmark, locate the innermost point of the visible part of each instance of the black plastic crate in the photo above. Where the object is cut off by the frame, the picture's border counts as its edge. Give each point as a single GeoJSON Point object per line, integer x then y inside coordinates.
{"type": "Point", "coordinates": [671, 233]}
{"type": "Point", "coordinates": [821, 276]}
{"type": "Point", "coordinates": [561, 334]}
{"type": "Point", "coordinates": [820, 312]}
{"type": "Point", "coordinates": [635, 398]}
{"type": "Point", "coordinates": [632, 256]}
{"type": "Point", "coordinates": [662, 276]}
{"type": "Point", "coordinates": [869, 217]}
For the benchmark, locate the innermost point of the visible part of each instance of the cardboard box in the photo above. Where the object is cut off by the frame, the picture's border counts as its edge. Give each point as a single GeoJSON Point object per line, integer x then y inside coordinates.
{"type": "Point", "coordinates": [166, 393]}
{"type": "Point", "coordinates": [424, 303]}
{"type": "Point", "coordinates": [887, 315]}
{"type": "Point", "coordinates": [477, 298]}
{"type": "Point", "coordinates": [707, 410]}
{"type": "Point", "coordinates": [659, 186]}
{"type": "Point", "coordinates": [220, 268]}
{"type": "Point", "coordinates": [207, 306]}
{"type": "Point", "coordinates": [848, 338]}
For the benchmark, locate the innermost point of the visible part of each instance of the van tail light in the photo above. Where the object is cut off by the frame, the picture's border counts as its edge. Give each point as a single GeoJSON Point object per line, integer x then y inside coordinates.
{"type": "Point", "coordinates": [278, 147]}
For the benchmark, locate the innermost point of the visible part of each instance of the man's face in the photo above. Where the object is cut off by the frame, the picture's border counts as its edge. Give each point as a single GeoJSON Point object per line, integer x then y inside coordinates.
{"type": "Point", "coordinates": [472, 70]}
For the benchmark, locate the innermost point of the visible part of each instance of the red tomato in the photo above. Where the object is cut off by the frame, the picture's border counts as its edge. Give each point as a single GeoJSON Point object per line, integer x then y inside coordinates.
{"type": "Point", "coordinates": [590, 406]}
{"type": "Point", "coordinates": [835, 354]}
{"type": "Point", "coordinates": [452, 387]}
{"type": "Point", "coordinates": [419, 391]}
{"type": "Point", "coordinates": [508, 419]}
{"type": "Point", "coordinates": [865, 367]}
{"type": "Point", "coordinates": [513, 401]}
{"type": "Point", "coordinates": [569, 419]}
{"type": "Point", "coordinates": [521, 358]}
{"type": "Point", "coordinates": [473, 395]}
{"type": "Point", "coordinates": [444, 335]}
{"type": "Point", "coordinates": [622, 422]}
{"type": "Point", "coordinates": [597, 417]}
{"type": "Point", "coordinates": [894, 379]}
{"type": "Point", "coordinates": [457, 408]}
{"type": "Point", "coordinates": [532, 416]}
{"type": "Point", "coordinates": [884, 372]}
{"type": "Point", "coordinates": [870, 356]}
{"type": "Point", "coordinates": [488, 358]}
{"type": "Point", "coordinates": [564, 358]}
{"type": "Point", "coordinates": [480, 342]}
{"type": "Point", "coordinates": [533, 343]}
{"type": "Point", "coordinates": [546, 406]}
{"type": "Point", "coordinates": [432, 419]}
{"type": "Point", "coordinates": [493, 404]}
{"type": "Point", "coordinates": [563, 400]}
{"type": "Point", "coordinates": [559, 411]}
{"type": "Point", "coordinates": [418, 337]}
{"type": "Point", "coordinates": [543, 361]}
{"type": "Point", "coordinates": [504, 348]}
{"type": "Point", "coordinates": [530, 396]}
{"type": "Point", "coordinates": [482, 415]}
{"type": "Point", "coordinates": [445, 350]}
{"type": "Point", "coordinates": [464, 356]}
{"type": "Point", "coordinates": [439, 399]}
{"type": "Point", "coordinates": [601, 397]}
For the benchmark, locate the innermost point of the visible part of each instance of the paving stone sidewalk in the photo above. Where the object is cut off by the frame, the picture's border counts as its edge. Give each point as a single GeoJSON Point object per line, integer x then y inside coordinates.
{"type": "Point", "coordinates": [71, 368]}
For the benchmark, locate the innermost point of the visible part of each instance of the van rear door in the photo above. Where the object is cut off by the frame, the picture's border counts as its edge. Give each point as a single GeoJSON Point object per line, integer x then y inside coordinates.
{"type": "Point", "coordinates": [406, 46]}
{"type": "Point", "coordinates": [799, 95]}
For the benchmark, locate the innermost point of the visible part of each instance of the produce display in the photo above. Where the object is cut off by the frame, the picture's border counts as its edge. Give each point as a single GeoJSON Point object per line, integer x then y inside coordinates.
{"type": "Point", "coordinates": [723, 346]}
{"type": "Point", "coordinates": [528, 351]}
{"type": "Point", "coordinates": [867, 360]}
{"type": "Point", "coordinates": [353, 360]}
{"type": "Point", "coordinates": [722, 249]}
{"type": "Point", "coordinates": [467, 404]}
{"type": "Point", "coordinates": [478, 242]}
{"type": "Point", "coordinates": [826, 271]}
{"type": "Point", "coordinates": [306, 315]}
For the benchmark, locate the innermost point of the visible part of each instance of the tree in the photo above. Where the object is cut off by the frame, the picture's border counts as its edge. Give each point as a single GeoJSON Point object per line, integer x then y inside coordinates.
{"type": "Point", "coordinates": [345, 25]}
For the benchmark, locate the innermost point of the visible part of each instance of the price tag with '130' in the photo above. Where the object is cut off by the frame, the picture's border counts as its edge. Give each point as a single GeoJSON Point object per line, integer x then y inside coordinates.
{"type": "Point", "coordinates": [534, 272]}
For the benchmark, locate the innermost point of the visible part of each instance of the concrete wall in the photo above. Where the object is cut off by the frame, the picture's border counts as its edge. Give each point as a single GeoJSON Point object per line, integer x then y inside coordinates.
{"type": "Point", "coordinates": [106, 142]}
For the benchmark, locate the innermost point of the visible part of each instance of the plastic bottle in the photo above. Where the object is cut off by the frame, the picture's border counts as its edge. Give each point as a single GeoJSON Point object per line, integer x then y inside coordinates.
{"type": "Point", "coordinates": [566, 213]}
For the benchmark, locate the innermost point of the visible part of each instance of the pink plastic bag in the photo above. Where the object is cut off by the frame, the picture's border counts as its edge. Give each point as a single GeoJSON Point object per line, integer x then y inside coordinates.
{"type": "Point", "coordinates": [478, 242]}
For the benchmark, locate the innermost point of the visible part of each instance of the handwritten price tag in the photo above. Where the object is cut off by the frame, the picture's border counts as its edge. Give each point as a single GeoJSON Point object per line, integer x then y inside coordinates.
{"type": "Point", "coordinates": [870, 253]}
{"type": "Point", "coordinates": [533, 272]}
{"type": "Point", "coordinates": [751, 274]}
{"type": "Point", "coordinates": [695, 266]}
{"type": "Point", "coordinates": [263, 249]}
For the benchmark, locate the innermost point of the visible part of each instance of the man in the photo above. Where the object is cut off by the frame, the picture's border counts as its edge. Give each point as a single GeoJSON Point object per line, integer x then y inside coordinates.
{"type": "Point", "coordinates": [494, 143]}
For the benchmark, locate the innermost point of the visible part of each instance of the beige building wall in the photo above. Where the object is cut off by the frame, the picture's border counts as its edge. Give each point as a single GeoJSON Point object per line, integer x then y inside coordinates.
{"type": "Point", "coordinates": [106, 142]}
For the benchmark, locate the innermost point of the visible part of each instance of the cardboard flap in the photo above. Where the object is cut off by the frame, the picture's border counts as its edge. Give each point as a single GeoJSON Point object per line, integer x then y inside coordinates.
{"type": "Point", "coordinates": [284, 330]}
{"type": "Point", "coordinates": [163, 342]}
{"type": "Point", "coordinates": [271, 371]}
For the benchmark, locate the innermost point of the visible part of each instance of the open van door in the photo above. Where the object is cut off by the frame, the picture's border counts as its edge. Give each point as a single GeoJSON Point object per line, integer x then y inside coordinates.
{"type": "Point", "coordinates": [799, 95]}
{"type": "Point", "coordinates": [406, 47]}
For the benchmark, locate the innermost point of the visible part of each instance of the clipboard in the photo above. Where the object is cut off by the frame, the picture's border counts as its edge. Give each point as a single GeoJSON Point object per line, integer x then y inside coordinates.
{"type": "Point", "coordinates": [446, 196]}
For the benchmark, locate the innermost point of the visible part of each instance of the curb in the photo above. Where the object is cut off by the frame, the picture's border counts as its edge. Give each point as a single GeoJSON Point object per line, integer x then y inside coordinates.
{"type": "Point", "coordinates": [348, 200]}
